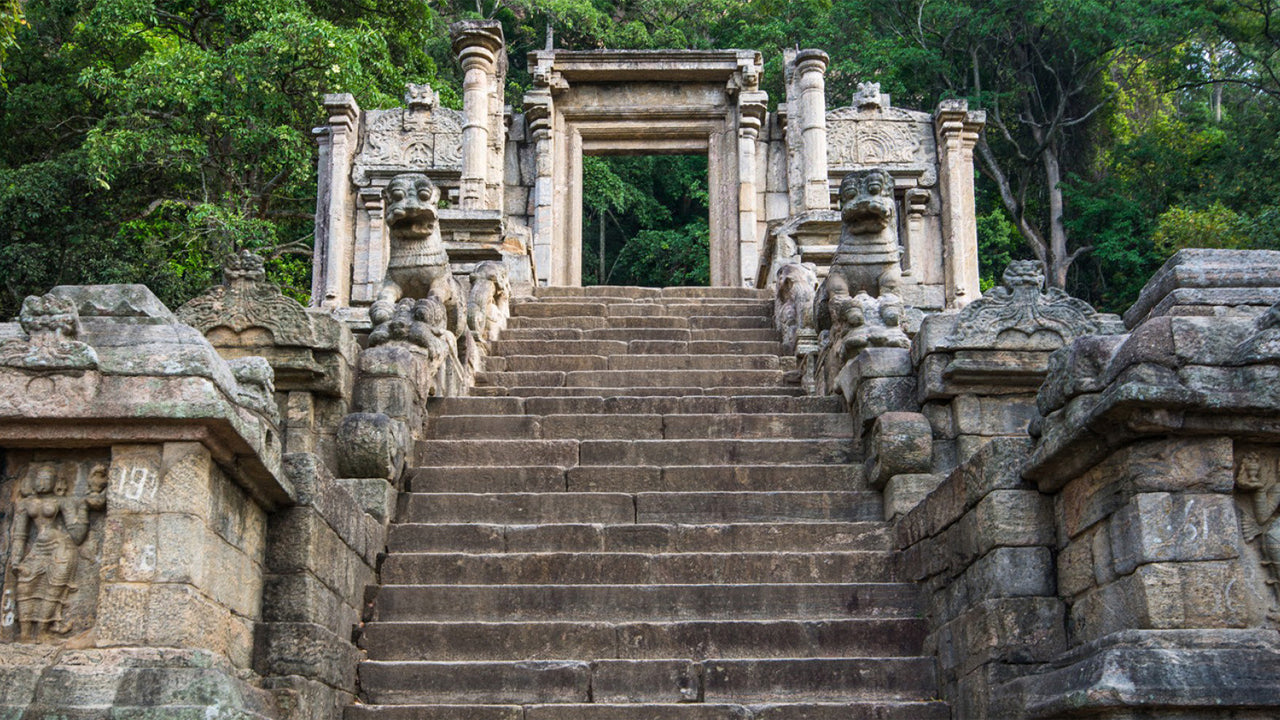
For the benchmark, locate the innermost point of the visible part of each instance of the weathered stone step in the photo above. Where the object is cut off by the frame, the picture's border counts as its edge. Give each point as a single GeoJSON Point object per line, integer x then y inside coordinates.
{"type": "Point", "coordinates": [631, 291]}
{"type": "Point", "coordinates": [632, 378]}
{"type": "Point", "coordinates": [576, 346]}
{"type": "Point", "coordinates": [656, 538]}
{"type": "Point", "coordinates": [587, 308]}
{"type": "Point", "coordinates": [635, 391]}
{"type": "Point", "coordinates": [696, 639]}
{"type": "Point", "coordinates": [647, 602]}
{"type": "Point", "coordinates": [636, 405]}
{"type": "Point", "coordinates": [636, 478]}
{"type": "Point", "coordinates": [872, 710]}
{"type": "Point", "coordinates": [561, 453]}
{"type": "Point", "coordinates": [640, 335]}
{"type": "Point", "coordinates": [599, 320]}
{"type": "Point", "coordinates": [714, 452]}
{"type": "Point", "coordinates": [685, 361]}
{"type": "Point", "coordinates": [662, 453]}
{"type": "Point", "coordinates": [718, 680]}
{"type": "Point", "coordinates": [735, 477]}
{"type": "Point", "coordinates": [687, 508]}
{"type": "Point", "coordinates": [611, 568]}
{"type": "Point", "coordinates": [642, 426]}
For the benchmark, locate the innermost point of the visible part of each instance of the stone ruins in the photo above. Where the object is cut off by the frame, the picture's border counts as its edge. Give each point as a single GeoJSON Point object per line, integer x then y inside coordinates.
{"type": "Point", "coordinates": [839, 483]}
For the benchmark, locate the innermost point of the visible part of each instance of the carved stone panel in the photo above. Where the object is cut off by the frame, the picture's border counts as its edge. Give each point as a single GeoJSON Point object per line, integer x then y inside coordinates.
{"type": "Point", "coordinates": [1257, 496]}
{"type": "Point", "coordinates": [52, 503]}
{"type": "Point", "coordinates": [420, 136]}
{"type": "Point", "coordinates": [889, 137]}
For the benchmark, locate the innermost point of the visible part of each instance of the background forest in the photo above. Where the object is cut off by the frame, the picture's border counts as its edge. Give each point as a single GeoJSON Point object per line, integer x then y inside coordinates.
{"type": "Point", "coordinates": [142, 140]}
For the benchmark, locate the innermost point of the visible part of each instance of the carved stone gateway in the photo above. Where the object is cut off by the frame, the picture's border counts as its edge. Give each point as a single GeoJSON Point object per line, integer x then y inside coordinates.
{"type": "Point", "coordinates": [511, 183]}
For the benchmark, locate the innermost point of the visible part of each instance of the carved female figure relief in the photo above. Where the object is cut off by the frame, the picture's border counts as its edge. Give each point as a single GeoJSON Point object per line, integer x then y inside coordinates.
{"type": "Point", "coordinates": [1257, 499]}
{"type": "Point", "coordinates": [50, 522]}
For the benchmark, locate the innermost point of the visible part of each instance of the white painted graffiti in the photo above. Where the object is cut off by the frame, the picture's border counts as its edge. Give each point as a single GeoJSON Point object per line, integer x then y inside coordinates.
{"type": "Point", "coordinates": [138, 483]}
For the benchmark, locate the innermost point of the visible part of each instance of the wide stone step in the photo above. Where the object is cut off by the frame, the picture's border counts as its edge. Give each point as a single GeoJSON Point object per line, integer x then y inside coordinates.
{"type": "Point", "coordinates": [686, 361]}
{"type": "Point", "coordinates": [654, 538]}
{"type": "Point", "coordinates": [663, 453]}
{"type": "Point", "coordinates": [666, 680]}
{"type": "Point", "coordinates": [633, 378]}
{"type": "Point", "coordinates": [612, 568]}
{"type": "Point", "coordinates": [637, 391]}
{"type": "Point", "coordinates": [632, 291]}
{"type": "Point", "coordinates": [686, 508]}
{"type": "Point", "coordinates": [647, 602]}
{"type": "Point", "coordinates": [695, 639]}
{"type": "Point", "coordinates": [598, 319]}
{"type": "Point", "coordinates": [639, 335]}
{"type": "Point", "coordinates": [636, 405]}
{"type": "Point", "coordinates": [575, 346]}
{"type": "Point", "coordinates": [642, 426]}
{"type": "Point", "coordinates": [714, 452]}
{"type": "Point", "coordinates": [869, 710]}
{"type": "Point", "coordinates": [636, 478]}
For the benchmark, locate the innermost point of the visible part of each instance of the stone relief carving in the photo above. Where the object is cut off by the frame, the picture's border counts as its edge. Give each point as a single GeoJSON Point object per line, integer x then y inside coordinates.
{"type": "Point", "coordinates": [255, 385]}
{"type": "Point", "coordinates": [867, 257]}
{"type": "Point", "coordinates": [246, 300]}
{"type": "Point", "coordinates": [51, 325]}
{"type": "Point", "coordinates": [51, 522]}
{"type": "Point", "coordinates": [1257, 495]}
{"type": "Point", "coordinates": [416, 137]}
{"type": "Point", "coordinates": [860, 322]}
{"type": "Point", "coordinates": [1022, 308]}
{"type": "Point", "coordinates": [796, 287]}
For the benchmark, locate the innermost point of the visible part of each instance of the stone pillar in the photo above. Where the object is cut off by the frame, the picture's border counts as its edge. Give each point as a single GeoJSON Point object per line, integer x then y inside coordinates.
{"type": "Point", "coordinates": [477, 45]}
{"type": "Point", "coordinates": [369, 263]}
{"type": "Point", "coordinates": [811, 68]}
{"type": "Point", "coordinates": [752, 106]}
{"type": "Point", "coordinates": [331, 267]}
{"type": "Point", "coordinates": [537, 106]}
{"type": "Point", "coordinates": [957, 130]}
{"type": "Point", "coordinates": [917, 204]}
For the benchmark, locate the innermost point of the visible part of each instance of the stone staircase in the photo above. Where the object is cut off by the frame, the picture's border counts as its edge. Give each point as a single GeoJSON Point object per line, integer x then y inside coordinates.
{"type": "Point", "coordinates": [638, 518]}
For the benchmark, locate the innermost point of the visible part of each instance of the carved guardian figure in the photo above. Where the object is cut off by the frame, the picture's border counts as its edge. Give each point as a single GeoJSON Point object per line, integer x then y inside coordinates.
{"type": "Point", "coordinates": [867, 258]}
{"type": "Point", "coordinates": [418, 266]}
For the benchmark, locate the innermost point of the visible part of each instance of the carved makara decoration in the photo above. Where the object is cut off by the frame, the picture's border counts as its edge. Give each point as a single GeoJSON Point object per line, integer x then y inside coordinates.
{"type": "Point", "coordinates": [419, 136]}
{"type": "Point", "coordinates": [51, 325]}
{"type": "Point", "coordinates": [1257, 495]}
{"type": "Point", "coordinates": [1020, 309]}
{"type": "Point", "coordinates": [51, 522]}
{"type": "Point", "coordinates": [246, 300]}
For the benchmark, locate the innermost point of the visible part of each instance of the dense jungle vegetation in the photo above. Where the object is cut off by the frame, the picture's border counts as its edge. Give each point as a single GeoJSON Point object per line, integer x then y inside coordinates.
{"type": "Point", "coordinates": [142, 140]}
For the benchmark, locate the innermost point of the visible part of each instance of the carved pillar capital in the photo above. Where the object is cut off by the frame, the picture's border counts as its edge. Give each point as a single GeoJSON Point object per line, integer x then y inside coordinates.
{"type": "Point", "coordinates": [957, 125]}
{"type": "Point", "coordinates": [811, 65]}
{"type": "Point", "coordinates": [343, 111]}
{"type": "Point", "coordinates": [477, 41]}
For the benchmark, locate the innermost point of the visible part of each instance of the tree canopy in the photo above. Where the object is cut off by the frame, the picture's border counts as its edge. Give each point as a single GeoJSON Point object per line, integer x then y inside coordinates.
{"type": "Point", "coordinates": [145, 139]}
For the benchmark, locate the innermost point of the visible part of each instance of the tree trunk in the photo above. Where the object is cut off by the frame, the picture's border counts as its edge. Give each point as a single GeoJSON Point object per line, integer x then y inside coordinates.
{"type": "Point", "coordinates": [1058, 260]}
{"type": "Point", "coordinates": [600, 273]}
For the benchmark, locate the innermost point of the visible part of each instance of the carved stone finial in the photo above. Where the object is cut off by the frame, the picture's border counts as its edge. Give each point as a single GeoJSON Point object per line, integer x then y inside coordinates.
{"type": "Point", "coordinates": [868, 96]}
{"type": "Point", "coordinates": [247, 300]}
{"type": "Point", "coordinates": [51, 324]}
{"type": "Point", "coordinates": [419, 98]}
{"type": "Point", "coordinates": [1022, 309]}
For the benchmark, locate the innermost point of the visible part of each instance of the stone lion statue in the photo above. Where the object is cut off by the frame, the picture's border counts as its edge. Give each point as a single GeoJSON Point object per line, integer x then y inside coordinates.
{"type": "Point", "coordinates": [867, 258]}
{"type": "Point", "coordinates": [418, 266]}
